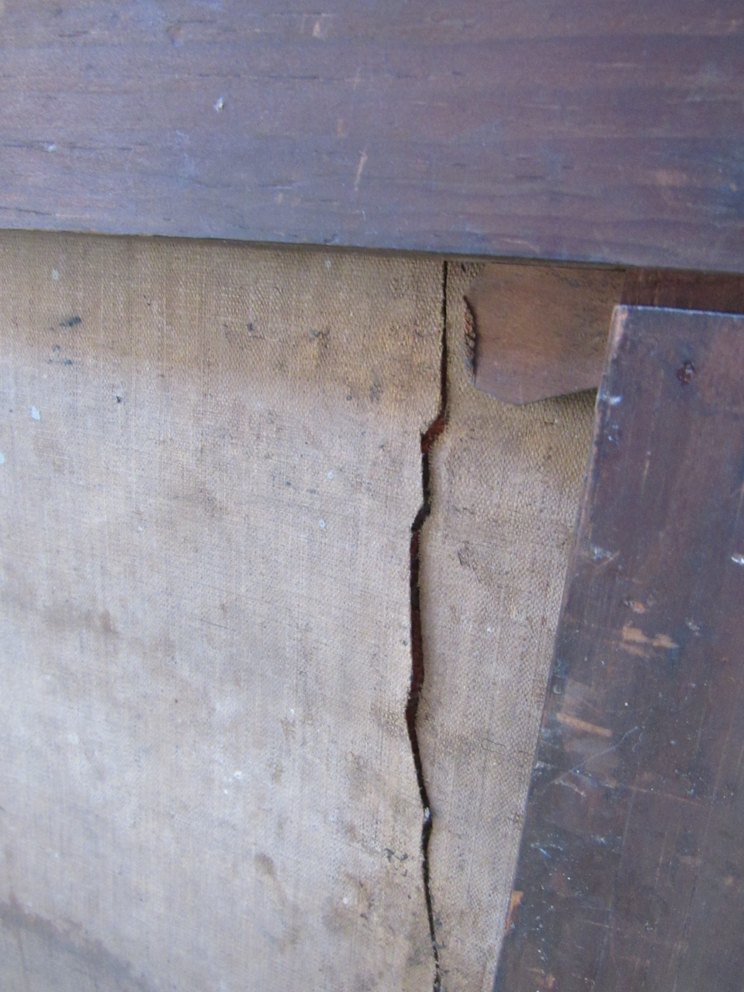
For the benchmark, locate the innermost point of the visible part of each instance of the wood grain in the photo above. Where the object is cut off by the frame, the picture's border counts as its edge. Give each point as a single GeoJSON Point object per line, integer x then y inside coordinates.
{"type": "Point", "coordinates": [719, 292]}
{"type": "Point", "coordinates": [631, 871]}
{"type": "Point", "coordinates": [541, 330]}
{"type": "Point", "coordinates": [581, 130]}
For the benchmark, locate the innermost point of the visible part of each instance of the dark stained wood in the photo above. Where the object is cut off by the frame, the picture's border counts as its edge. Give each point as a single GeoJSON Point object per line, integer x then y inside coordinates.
{"type": "Point", "coordinates": [631, 871]}
{"type": "Point", "coordinates": [541, 330]}
{"type": "Point", "coordinates": [575, 129]}
{"type": "Point", "coordinates": [720, 292]}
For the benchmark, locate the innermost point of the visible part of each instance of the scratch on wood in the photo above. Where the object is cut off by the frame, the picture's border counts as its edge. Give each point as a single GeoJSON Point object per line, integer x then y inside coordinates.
{"type": "Point", "coordinates": [360, 170]}
{"type": "Point", "coordinates": [583, 725]}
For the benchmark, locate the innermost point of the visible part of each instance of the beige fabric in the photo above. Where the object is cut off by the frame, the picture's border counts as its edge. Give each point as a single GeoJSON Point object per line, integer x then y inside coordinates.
{"type": "Point", "coordinates": [210, 468]}
{"type": "Point", "coordinates": [505, 487]}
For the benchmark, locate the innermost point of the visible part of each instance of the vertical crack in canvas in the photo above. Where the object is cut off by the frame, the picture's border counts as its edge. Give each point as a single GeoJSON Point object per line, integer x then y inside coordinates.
{"type": "Point", "coordinates": [428, 438]}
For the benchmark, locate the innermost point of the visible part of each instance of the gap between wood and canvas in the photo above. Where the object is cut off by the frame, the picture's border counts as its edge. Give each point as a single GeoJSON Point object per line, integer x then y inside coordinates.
{"type": "Point", "coordinates": [428, 438]}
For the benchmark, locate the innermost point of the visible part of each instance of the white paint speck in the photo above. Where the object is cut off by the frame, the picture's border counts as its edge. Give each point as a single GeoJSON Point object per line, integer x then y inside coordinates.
{"type": "Point", "coordinates": [321, 524]}
{"type": "Point", "coordinates": [219, 103]}
{"type": "Point", "coordinates": [35, 415]}
{"type": "Point", "coordinates": [360, 169]}
{"type": "Point", "coordinates": [614, 400]}
{"type": "Point", "coordinates": [320, 28]}
{"type": "Point", "coordinates": [226, 791]}
{"type": "Point", "coordinates": [238, 775]}
{"type": "Point", "coordinates": [55, 275]}
{"type": "Point", "coordinates": [52, 147]}
{"type": "Point", "coordinates": [328, 263]}
{"type": "Point", "coordinates": [2, 458]}
{"type": "Point", "coordinates": [330, 475]}
{"type": "Point", "coordinates": [346, 900]}
{"type": "Point", "coordinates": [737, 559]}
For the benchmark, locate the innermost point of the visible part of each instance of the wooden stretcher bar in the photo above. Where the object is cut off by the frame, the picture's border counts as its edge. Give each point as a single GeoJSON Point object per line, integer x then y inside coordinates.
{"type": "Point", "coordinates": [631, 870]}
{"type": "Point", "coordinates": [592, 131]}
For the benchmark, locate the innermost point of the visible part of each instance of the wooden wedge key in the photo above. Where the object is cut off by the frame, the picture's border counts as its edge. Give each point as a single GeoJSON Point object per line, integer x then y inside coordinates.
{"type": "Point", "coordinates": [631, 869]}
{"type": "Point", "coordinates": [541, 330]}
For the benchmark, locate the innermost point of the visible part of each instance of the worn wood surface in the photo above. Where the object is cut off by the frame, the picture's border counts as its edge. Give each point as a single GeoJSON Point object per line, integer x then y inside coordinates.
{"type": "Point", "coordinates": [631, 871]}
{"type": "Point", "coordinates": [541, 330]}
{"type": "Point", "coordinates": [716, 291]}
{"type": "Point", "coordinates": [571, 130]}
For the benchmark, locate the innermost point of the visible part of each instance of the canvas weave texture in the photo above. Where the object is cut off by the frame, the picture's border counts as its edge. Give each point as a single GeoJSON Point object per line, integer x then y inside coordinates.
{"type": "Point", "coordinates": [505, 488]}
{"type": "Point", "coordinates": [210, 467]}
